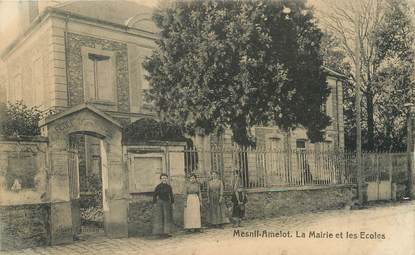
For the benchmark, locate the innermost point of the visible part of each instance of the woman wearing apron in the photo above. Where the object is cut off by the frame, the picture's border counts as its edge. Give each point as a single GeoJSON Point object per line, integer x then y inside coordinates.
{"type": "Point", "coordinates": [192, 205]}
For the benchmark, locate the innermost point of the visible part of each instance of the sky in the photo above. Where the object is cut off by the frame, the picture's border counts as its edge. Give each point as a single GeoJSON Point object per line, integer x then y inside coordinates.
{"type": "Point", "coordinates": [8, 18]}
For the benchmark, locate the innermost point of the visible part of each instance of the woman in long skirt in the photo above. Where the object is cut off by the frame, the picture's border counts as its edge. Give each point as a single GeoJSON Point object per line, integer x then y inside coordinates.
{"type": "Point", "coordinates": [217, 209]}
{"type": "Point", "coordinates": [192, 204]}
{"type": "Point", "coordinates": [162, 208]}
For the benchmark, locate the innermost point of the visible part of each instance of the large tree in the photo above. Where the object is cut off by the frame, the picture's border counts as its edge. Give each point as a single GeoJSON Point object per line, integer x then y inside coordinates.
{"type": "Point", "coordinates": [383, 30]}
{"type": "Point", "coordinates": [236, 64]}
{"type": "Point", "coordinates": [356, 22]}
{"type": "Point", "coordinates": [393, 79]}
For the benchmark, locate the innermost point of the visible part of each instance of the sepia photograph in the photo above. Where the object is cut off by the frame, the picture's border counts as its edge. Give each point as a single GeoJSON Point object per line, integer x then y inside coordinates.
{"type": "Point", "coordinates": [207, 127]}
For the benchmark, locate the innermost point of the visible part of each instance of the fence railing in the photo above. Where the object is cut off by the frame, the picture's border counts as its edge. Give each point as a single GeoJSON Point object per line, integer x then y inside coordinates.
{"type": "Point", "coordinates": [265, 167]}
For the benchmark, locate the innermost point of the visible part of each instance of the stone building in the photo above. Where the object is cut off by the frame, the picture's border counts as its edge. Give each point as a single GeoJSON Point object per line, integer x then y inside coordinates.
{"type": "Point", "coordinates": [83, 60]}
{"type": "Point", "coordinates": [67, 53]}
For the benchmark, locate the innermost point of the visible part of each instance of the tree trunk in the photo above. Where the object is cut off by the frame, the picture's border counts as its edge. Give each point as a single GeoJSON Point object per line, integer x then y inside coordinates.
{"type": "Point", "coordinates": [370, 121]}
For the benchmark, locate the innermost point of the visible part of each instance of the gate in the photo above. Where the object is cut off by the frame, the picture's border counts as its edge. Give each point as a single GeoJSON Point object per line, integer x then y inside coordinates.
{"type": "Point", "coordinates": [86, 198]}
{"type": "Point", "coordinates": [74, 190]}
{"type": "Point", "coordinates": [378, 168]}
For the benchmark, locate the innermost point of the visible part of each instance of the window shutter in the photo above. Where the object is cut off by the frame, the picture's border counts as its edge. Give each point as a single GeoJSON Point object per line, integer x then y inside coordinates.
{"type": "Point", "coordinates": [135, 92]}
{"type": "Point", "coordinates": [89, 79]}
{"type": "Point", "coordinates": [105, 81]}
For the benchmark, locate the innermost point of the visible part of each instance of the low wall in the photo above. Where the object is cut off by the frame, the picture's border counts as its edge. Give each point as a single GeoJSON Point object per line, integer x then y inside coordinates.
{"type": "Point", "coordinates": [24, 196]}
{"type": "Point", "coordinates": [23, 226]}
{"type": "Point", "coordinates": [261, 204]}
{"type": "Point", "coordinates": [264, 204]}
{"type": "Point", "coordinates": [23, 171]}
{"type": "Point", "coordinates": [140, 214]}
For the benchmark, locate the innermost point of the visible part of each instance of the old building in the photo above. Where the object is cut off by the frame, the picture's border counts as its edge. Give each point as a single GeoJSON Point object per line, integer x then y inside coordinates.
{"type": "Point", "coordinates": [67, 53]}
{"type": "Point", "coordinates": [83, 60]}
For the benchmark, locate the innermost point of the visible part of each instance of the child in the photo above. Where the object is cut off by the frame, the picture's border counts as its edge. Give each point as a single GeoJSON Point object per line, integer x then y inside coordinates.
{"type": "Point", "coordinates": [239, 199]}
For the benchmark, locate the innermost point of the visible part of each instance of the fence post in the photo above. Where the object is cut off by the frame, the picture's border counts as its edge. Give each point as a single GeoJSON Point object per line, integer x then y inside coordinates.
{"type": "Point", "coordinates": [409, 152]}
{"type": "Point", "coordinates": [393, 197]}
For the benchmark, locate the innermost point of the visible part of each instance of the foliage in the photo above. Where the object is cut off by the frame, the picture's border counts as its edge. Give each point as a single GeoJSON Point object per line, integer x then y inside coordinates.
{"type": "Point", "coordinates": [334, 56]}
{"type": "Point", "coordinates": [352, 23]}
{"type": "Point", "coordinates": [386, 56]}
{"type": "Point", "coordinates": [147, 129]}
{"type": "Point", "coordinates": [20, 120]}
{"type": "Point", "coordinates": [91, 199]}
{"type": "Point", "coordinates": [394, 82]}
{"type": "Point", "coordinates": [236, 64]}
{"type": "Point", "coordinates": [92, 191]}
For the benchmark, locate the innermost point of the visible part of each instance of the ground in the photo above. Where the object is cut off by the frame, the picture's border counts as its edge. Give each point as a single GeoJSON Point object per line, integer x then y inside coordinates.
{"type": "Point", "coordinates": [391, 227]}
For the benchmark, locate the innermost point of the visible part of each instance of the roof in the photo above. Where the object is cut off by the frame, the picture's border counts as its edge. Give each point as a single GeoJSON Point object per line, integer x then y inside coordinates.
{"type": "Point", "coordinates": [76, 109]}
{"type": "Point", "coordinates": [333, 73]}
{"type": "Point", "coordinates": [125, 13]}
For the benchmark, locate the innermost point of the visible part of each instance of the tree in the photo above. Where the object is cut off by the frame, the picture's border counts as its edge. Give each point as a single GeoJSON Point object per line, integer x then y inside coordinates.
{"type": "Point", "coordinates": [236, 64]}
{"type": "Point", "coordinates": [356, 22]}
{"type": "Point", "coordinates": [385, 38]}
{"type": "Point", "coordinates": [395, 54]}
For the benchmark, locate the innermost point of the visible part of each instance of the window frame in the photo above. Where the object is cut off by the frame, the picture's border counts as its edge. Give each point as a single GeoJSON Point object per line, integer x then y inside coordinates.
{"type": "Point", "coordinates": [143, 53]}
{"type": "Point", "coordinates": [299, 141]}
{"type": "Point", "coordinates": [85, 51]}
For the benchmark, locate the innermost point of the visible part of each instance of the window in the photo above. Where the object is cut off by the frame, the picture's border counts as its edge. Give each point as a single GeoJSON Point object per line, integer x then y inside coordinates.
{"type": "Point", "coordinates": [99, 69]}
{"type": "Point", "coordinates": [300, 144]}
{"type": "Point", "coordinates": [145, 86]}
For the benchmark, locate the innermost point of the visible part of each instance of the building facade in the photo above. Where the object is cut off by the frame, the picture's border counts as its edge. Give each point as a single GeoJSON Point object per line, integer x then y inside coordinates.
{"type": "Point", "coordinates": [86, 65]}
{"type": "Point", "coordinates": [68, 54]}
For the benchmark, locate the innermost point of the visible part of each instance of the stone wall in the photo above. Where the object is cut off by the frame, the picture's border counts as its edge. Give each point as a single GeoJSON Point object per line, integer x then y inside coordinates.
{"type": "Point", "coordinates": [23, 226]}
{"type": "Point", "coordinates": [24, 193]}
{"type": "Point", "coordinates": [23, 171]}
{"type": "Point", "coordinates": [140, 213]}
{"type": "Point", "coordinates": [140, 207]}
{"type": "Point", "coordinates": [287, 202]}
{"type": "Point", "coordinates": [261, 204]}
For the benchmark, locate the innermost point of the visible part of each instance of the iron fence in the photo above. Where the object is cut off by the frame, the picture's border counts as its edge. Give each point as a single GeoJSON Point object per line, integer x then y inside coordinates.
{"type": "Point", "coordinates": [265, 167]}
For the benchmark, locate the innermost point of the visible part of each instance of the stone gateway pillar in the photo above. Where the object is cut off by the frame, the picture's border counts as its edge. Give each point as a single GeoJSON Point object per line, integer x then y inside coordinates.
{"type": "Point", "coordinates": [85, 119]}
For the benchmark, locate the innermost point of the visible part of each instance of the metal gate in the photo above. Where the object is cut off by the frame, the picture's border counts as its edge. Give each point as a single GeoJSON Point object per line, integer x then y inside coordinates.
{"type": "Point", "coordinates": [74, 190]}
{"type": "Point", "coordinates": [86, 201]}
{"type": "Point", "coordinates": [378, 174]}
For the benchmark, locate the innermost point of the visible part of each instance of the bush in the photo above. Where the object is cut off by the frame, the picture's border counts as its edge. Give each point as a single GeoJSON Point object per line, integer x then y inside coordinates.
{"type": "Point", "coordinates": [148, 129]}
{"type": "Point", "coordinates": [20, 120]}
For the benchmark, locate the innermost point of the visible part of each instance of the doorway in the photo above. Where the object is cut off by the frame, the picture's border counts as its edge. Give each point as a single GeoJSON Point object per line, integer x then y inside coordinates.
{"type": "Point", "coordinates": [87, 175]}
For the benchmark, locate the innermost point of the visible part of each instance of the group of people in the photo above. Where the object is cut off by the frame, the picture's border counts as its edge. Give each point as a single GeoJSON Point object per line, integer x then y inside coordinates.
{"type": "Point", "coordinates": [163, 200]}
